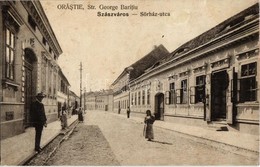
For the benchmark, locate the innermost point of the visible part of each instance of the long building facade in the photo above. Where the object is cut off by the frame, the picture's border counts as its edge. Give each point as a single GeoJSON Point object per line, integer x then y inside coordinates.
{"type": "Point", "coordinates": [28, 64]}
{"type": "Point", "coordinates": [210, 80]}
{"type": "Point", "coordinates": [63, 93]}
{"type": "Point", "coordinates": [121, 86]}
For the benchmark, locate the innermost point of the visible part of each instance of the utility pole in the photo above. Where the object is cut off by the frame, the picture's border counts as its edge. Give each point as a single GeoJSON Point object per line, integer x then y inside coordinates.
{"type": "Point", "coordinates": [84, 99]}
{"type": "Point", "coordinates": [80, 100]}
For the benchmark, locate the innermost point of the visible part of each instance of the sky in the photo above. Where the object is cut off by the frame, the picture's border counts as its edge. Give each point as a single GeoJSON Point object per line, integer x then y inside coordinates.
{"type": "Point", "coordinates": [106, 45]}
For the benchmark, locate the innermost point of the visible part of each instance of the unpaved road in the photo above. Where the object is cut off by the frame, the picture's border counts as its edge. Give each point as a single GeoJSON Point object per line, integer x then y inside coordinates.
{"type": "Point", "coordinates": [109, 139]}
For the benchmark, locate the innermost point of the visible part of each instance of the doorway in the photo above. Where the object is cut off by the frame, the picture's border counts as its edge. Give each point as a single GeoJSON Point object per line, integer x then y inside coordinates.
{"type": "Point", "coordinates": [219, 85]}
{"type": "Point", "coordinates": [28, 88]}
{"type": "Point", "coordinates": [159, 106]}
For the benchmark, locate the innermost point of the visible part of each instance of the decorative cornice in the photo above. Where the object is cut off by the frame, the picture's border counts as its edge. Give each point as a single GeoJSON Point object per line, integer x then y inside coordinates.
{"type": "Point", "coordinates": [184, 73]}
{"type": "Point", "coordinates": [36, 11]}
{"type": "Point", "coordinates": [200, 68]}
{"type": "Point", "coordinates": [11, 16]}
{"type": "Point", "coordinates": [9, 9]}
{"type": "Point", "coordinates": [224, 63]}
{"type": "Point", "coordinates": [247, 54]}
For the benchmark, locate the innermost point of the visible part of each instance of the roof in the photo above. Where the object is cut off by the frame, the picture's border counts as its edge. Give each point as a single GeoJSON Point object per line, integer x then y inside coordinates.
{"type": "Point", "coordinates": [73, 93]}
{"type": "Point", "coordinates": [100, 93]}
{"type": "Point", "coordinates": [228, 25]}
{"type": "Point", "coordinates": [63, 76]}
{"type": "Point", "coordinates": [139, 67]}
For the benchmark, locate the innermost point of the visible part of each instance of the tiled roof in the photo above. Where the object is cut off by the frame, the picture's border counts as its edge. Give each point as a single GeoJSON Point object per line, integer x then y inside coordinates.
{"type": "Point", "coordinates": [228, 25]}
{"type": "Point", "coordinates": [139, 67]}
{"type": "Point", "coordinates": [147, 61]}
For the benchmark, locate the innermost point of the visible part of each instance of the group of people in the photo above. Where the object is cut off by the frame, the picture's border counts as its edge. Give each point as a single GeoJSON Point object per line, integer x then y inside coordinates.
{"type": "Point", "coordinates": [39, 120]}
{"type": "Point", "coordinates": [64, 115]}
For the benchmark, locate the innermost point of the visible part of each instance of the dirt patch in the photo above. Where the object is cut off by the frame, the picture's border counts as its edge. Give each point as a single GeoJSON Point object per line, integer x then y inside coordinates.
{"type": "Point", "coordinates": [86, 146]}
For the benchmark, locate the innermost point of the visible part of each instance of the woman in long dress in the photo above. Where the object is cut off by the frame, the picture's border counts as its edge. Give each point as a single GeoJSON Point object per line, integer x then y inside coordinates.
{"type": "Point", "coordinates": [149, 120]}
{"type": "Point", "coordinates": [63, 118]}
{"type": "Point", "coordinates": [80, 115]}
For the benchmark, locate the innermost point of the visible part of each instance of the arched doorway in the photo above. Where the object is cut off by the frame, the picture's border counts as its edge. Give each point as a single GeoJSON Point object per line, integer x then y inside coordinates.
{"type": "Point", "coordinates": [159, 106]}
{"type": "Point", "coordinates": [29, 83]}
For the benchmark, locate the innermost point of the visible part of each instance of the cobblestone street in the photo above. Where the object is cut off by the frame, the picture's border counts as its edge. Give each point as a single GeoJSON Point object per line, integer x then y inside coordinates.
{"type": "Point", "coordinates": [88, 145]}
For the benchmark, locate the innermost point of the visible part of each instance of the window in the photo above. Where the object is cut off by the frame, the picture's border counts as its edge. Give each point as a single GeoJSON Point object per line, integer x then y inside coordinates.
{"type": "Point", "coordinates": [143, 97]}
{"type": "Point", "coordinates": [44, 41]}
{"type": "Point", "coordinates": [248, 83]}
{"type": "Point", "coordinates": [132, 99]}
{"type": "Point", "coordinates": [148, 96]}
{"type": "Point", "coordinates": [43, 70]}
{"type": "Point", "coordinates": [172, 93]}
{"type": "Point", "coordinates": [50, 80]}
{"type": "Point", "coordinates": [139, 98]}
{"type": "Point", "coordinates": [50, 50]}
{"type": "Point", "coordinates": [182, 93]}
{"type": "Point", "coordinates": [135, 98]}
{"type": "Point", "coordinates": [9, 54]}
{"type": "Point", "coordinates": [200, 88]}
{"type": "Point", "coordinates": [54, 84]}
{"type": "Point", "coordinates": [32, 22]}
{"type": "Point", "coordinates": [170, 97]}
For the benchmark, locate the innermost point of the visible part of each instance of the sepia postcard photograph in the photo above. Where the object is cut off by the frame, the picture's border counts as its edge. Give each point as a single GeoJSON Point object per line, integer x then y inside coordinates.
{"type": "Point", "coordinates": [129, 82]}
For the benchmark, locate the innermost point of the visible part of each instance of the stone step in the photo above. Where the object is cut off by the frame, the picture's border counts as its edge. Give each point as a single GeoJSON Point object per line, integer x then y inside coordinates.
{"type": "Point", "coordinates": [218, 126]}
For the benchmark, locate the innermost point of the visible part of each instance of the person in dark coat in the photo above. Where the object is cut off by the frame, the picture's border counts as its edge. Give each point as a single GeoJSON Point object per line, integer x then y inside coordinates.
{"type": "Point", "coordinates": [128, 112]}
{"type": "Point", "coordinates": [38, 119]}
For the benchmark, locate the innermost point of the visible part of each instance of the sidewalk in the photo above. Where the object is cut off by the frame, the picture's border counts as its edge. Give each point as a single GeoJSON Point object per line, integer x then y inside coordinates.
{"type": "Point", "coordinates": [17, 149]}
{"type": "Point", "coordinates": [235, 142]}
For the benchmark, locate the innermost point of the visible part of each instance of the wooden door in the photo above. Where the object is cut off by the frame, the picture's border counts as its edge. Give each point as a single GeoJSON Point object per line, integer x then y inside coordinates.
{"type": "Point", "coordinates": [27, 93]}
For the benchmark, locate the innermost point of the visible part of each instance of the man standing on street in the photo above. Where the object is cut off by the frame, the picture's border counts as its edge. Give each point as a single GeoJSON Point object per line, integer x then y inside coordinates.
{"type": "Point", "coordinates": [128, 112]}
{"type": "Point", "coordinates": [38, 119]}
